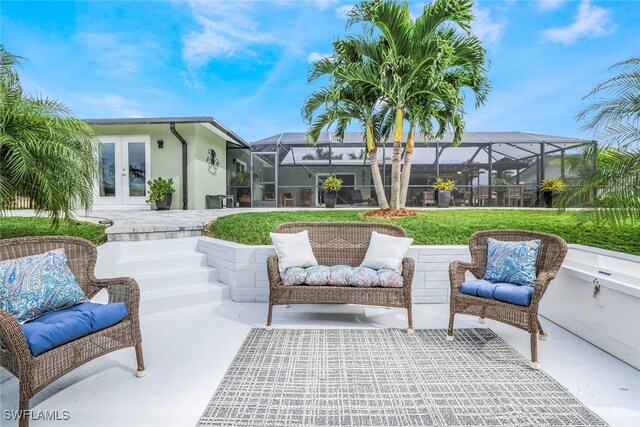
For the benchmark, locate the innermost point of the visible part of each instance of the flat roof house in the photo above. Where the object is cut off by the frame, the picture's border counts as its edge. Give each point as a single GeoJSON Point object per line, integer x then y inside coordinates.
{"type": "Point", "coordinates": [191, 150]}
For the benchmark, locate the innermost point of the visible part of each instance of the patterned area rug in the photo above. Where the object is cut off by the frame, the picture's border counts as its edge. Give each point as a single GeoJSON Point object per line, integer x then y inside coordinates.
{"type": "Point", "coordinates": [359, 377]}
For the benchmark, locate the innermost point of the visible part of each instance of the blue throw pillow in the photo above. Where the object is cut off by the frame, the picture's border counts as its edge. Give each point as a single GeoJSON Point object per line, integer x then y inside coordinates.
{"type": "Point", "coordinates": [34, 285]}
{"type": "Point", "coordinates": [512, 262]}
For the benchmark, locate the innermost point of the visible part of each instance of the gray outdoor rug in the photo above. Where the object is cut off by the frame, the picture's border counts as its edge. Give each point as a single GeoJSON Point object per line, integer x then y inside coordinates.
{"type": "Point", "coordinates": [364, 377]}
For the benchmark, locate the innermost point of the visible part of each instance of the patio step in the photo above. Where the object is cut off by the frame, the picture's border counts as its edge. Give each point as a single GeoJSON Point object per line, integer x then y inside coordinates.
{"type": "Point", "coordinates": [154, 300]}
{"type": "Point", "coordinates": [172, 274]}
{"type": "Point", "coordinates": [176, 278]}
{"type": "Point", "coordinates": [140, 265]}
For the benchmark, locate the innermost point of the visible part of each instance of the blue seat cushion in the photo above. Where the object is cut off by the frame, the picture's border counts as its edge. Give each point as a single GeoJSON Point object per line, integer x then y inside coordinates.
{"type": "Point", "coordinates": [53, 329]}
{"type": "Point", "coordinates": [505, 292]}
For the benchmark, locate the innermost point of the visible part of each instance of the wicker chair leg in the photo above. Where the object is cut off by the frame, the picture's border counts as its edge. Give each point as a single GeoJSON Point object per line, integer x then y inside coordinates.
{"type": "Point", "coordinates": [24, 413]}
{"type": "Point", "coordinates": [410, 329]}
{"type": "Point", "coordinates": [535, 363]}
{"type": "Point", "coordinates": [541, 333]}
{"type": "Point", "coordinates": [450, 328]}
{"type": "Point", "coordinates": [269, 316]}
{"type": "Point", "coordinates": [142, 370]}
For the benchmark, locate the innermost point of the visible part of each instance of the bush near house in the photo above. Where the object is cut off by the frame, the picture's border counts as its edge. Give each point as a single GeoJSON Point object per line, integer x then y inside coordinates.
{"type": "Point", "coordinates": [17, 226]}
{"type": "Point", "coordinates": [452, 227]}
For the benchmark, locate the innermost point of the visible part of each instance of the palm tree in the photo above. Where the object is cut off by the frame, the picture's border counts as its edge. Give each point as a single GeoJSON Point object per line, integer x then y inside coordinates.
{"type": "Point", "coordinates": [342, 104]}
{"type": "Point", "coordinates": [414, 63]}
{"type": "Point", "coordinates": [45, 153]}
{"type": "Point", "coordinates": [614, 118]}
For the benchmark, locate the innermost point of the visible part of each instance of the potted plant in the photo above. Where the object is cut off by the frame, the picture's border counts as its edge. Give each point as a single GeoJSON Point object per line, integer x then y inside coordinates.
{"type": "Point", "coordinates": [161, 193]}
{"type": "Point", "coordinates": [444, 188]}
{"type": "Point", "coordinates": [550, 186]}
{"type": "Point", "coordinates": [241, 182]}
{"type": "Point", "coordinates": [331, 185]}
{"type": "Point", "coordinates": [305, 194]}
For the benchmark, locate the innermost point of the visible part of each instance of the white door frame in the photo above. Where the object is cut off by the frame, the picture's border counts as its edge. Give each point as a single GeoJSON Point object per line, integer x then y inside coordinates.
{"type": "Point", "coordinates": [121, 161]}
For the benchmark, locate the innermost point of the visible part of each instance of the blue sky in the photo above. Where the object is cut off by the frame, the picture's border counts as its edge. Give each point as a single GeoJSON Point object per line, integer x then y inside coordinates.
{"type": "Point", "coordinates": [246, 62]}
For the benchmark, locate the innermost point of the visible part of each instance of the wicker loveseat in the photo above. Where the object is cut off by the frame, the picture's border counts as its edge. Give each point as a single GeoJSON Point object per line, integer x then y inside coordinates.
{"type": "Point", "coordinates": [335, 243]}
{"type": "Point", "coordinates": [36, 372]}
{"type": "Point", "coordinates": [552, 251]}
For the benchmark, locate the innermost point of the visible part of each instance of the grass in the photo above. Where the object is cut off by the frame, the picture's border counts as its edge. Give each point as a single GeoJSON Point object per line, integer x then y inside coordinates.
{"type": "Point", "coordinates": [19, 226]}
{"type": "Point", "coordinates": [441, 227]}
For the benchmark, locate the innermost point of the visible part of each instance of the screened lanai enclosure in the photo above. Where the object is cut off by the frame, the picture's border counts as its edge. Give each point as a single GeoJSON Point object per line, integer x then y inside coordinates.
{"type": "Point", "coordinates": [489, 168]}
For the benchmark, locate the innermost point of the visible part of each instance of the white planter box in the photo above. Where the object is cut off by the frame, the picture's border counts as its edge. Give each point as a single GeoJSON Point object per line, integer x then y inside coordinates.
{"type": "Point", "coordinates": [596, 295]}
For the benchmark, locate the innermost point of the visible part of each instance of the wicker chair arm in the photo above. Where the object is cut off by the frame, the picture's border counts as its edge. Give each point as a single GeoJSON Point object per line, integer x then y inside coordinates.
{"type": "Point", "coordinates": [408, 268]}
{"type": "Point", "coordinates": [542, 282]}
{"type": "Point", "coordinates": [457, 271]}
{"type": "Point", "coordinates": [13, 339]}
{"type": "Point", "coordinates": [122, 289]}
{"type": "Point", "coordinates": [273, 271]}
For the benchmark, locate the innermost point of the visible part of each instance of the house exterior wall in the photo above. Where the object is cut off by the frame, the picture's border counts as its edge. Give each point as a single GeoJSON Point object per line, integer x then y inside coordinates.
{"type": "Point", "coordinates": [167, 161]}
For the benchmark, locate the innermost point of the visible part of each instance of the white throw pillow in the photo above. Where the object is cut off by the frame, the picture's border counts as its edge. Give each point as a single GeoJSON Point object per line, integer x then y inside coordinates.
{"type": "Point", "coordinates": [293, 249]}
{"type": "Point", "coordinates": [386, 252]}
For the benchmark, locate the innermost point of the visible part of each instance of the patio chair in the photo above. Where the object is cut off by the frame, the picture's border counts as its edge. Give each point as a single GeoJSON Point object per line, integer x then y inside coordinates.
{"type": "Point", "coordinates": [551, 253]}
{"type": "Point", "coordinates": [515, 193]}
{"type": "Point", "coordinates": [288, 199]}
{"type": "Point", "coordinates": [428, 198]}
{"type": "Point", "coordinates": [483, 196]}
{"type": "Point", "coordinates": [36, 372]}
{"type": "Point", "coordinates": [356, 197]}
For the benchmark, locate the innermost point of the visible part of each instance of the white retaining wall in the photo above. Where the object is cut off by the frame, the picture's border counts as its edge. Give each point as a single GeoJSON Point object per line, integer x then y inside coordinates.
{"type": "Point", "coordinates": [244, 269]}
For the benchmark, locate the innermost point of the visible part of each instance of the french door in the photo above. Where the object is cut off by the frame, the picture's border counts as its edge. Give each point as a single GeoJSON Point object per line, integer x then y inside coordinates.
{"type": "Point", "coordinates": [124, 163]}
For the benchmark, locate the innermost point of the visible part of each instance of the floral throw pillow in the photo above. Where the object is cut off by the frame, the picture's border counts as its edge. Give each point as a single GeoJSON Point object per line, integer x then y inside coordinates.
{"type": "Point", "coordinates": [512, 262]}
{"type": "Point", "coordinates": [34, 285]}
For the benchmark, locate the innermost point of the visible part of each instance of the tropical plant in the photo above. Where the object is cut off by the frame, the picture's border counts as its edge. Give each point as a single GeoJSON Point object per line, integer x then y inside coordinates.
{"type": "Point", "coordinates": [555, 185]}
{"type": "Point", "coordinates": [442, 184]}
{"type": "Point", "coordinates": [241, 179]}
{"type": "Point", "coordinates": [406, 69]}
{"type": "Point", "coordinates": [45, 153]}
{"type": "Point", "coordinates": [614, 118]}
{"type": "Point", "coordinates": [332, 183]}
{"type": "Point", "coordinates": [159, 188]}
{"type": "Point", "coordinates": [344, 102]}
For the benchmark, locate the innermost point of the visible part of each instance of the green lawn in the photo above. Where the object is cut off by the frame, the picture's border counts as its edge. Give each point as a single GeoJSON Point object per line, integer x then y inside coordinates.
{"type": "Point", "coordinates": [18, 226]}
{"type": "Point", "coordinates": [441, 227]}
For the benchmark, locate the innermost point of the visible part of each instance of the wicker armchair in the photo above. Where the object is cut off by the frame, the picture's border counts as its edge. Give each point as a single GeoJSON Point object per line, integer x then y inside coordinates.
{"type": "Point", "coordinates": [36, 372]}
{"type": "Point", "coordinates": [550, 256]}
{"type": "Point", "coordinates": [344, 243]}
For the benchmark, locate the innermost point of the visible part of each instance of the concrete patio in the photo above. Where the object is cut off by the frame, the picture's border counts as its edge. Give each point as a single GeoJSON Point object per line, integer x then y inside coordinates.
{"type": "Point", "coordinates": [187, 352]}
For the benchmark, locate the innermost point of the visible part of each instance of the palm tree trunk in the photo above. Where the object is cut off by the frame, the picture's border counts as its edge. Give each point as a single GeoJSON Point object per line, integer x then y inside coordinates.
{"type": "Point", "coordinates": [375, 170]}
{"type": "Point", "coordinates": [396, 158]}
{"type": "Point", "coordinates": [406, 168]}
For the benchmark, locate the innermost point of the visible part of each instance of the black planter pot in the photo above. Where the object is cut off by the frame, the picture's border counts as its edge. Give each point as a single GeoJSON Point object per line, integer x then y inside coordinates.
{"type": "Point", "coordinates": [164, 204]}
{"type": "Point", "coordinates": [330, 198]}
{"type": "Point", "coordinates": [548, 198]}
{"type": "Point", "coordinates": [444, 198]}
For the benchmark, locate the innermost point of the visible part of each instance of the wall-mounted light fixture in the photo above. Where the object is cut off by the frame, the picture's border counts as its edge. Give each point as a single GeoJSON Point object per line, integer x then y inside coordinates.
{"type": "Point", "coordinates": [234, 161]}
{"type": "Point", "coordinates": [160, 143]}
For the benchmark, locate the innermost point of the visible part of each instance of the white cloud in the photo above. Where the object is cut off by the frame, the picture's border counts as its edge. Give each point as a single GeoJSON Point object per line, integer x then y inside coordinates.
{"type": "Point", "coordinates": [550, 4]}
{"type": "Point", "coordinates": [111, 105]}
{"type": "Point", "coordinates": [226, 30]}
{"type": "Point", "coordinates": [324, 4]}
{"type": "Point", "coordinates": [342, 11]}
{"type": "Point", "coordinates": [115, 56]}
{"type": "Point", "coordinates": [487, 30]}
{"type": "Point", "coordinates": [591, 22]}
{"type": "Point", "coordinates": [315, 56]}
